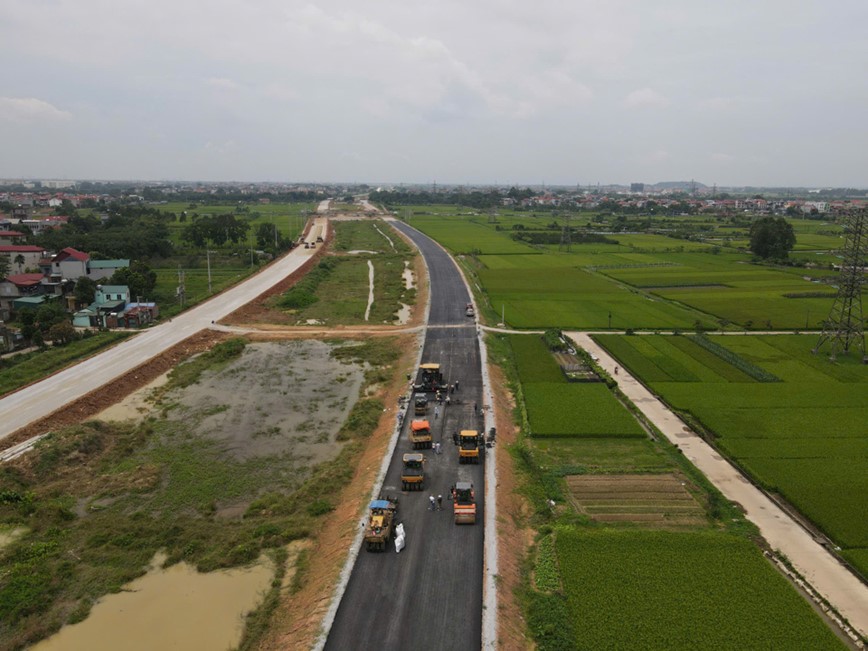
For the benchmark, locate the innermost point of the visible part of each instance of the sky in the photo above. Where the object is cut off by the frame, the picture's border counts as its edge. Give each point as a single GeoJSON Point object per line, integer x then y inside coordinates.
{"type": "Point", "coordinates": [743, 92]}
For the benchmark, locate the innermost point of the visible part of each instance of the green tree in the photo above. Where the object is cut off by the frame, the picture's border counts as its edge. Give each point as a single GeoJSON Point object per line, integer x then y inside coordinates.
{"type": "Point", "coordinates": [265, 235]}
{"type": "Point", "coordinates": [62, 333]}
{"type": "Point", "coordinates": [139, 277]}
{"type": "Point", "coordinates": [85, 289]}
{"type": "Point", "coordinates": [19, 260]}
{"type": "Point", "coordinates": [4, 265]}
{"type": "Point", "coordinates": [772, 238]}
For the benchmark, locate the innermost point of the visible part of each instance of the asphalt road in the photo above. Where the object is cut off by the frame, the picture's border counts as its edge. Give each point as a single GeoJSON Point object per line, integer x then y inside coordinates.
{"type": "Point", "coordinates": [23, 407]}
{"type": "Point", "coordinates": [428, 596]}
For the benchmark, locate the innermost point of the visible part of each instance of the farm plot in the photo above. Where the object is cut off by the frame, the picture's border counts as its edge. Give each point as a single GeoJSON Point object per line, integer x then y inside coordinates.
{"type": "Point", "coordinates": [660, 500]}
{"type": "Point", "coordinates": [679, 590]}
{"type": "Point", "coordinates": [544, 296]}
{"type": "Point", "coordinates": [728, 288]}
{"type": "Point", "coordinates": [580, 409]}
{"type": "Point", "coordinates": [559, 408]}
{"type": "Point", "coordinates": [803, 437]}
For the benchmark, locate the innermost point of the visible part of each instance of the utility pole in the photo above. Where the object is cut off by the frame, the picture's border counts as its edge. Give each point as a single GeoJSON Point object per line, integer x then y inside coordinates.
{"type": "Point", "coordinates": [181, 291]}
{"type": "Point", "coordinates": [208, 259]}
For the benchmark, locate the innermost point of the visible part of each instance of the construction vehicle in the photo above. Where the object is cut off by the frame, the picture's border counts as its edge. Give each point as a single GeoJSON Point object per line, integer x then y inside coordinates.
{"type": "Point", "coordinates": [464, 503]}
{"type": "Point", "coordinates": [420, 405]}
{"type": "Point", "coordinates": [429, 379]}
{"type": "Point", "coordinates": [413, 475]}
{"type": "Point", "coordinates": [420, 434]}
{"type": "Point", "coordinates": [381, 522]}
{"type": "Point", "coordinates": [468, 446]}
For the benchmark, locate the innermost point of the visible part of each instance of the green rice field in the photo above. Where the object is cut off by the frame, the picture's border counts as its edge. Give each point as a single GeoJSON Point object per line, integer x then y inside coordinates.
{"type": "Point", "coordinates": [557, 407]}
{"type": "Point", "coordinates": [803, 437]}
{"type": "Point", "coordinates": [679, 590]}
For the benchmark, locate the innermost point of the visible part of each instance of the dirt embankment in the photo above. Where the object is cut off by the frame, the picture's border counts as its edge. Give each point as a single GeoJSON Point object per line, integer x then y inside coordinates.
{"type": "Point", "coordinates": [299, 616]}
{"type": "Point", "coordinates": [114, 391]}
{"type": "Point", "coordinates": [514, 536]}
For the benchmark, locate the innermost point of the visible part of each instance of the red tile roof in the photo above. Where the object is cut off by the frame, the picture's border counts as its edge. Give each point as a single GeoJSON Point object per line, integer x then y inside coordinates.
{"type": "Point", "coordinates": [20, 248]}
{"type": "Point", "coordinates": [69, 252]}
{"type": "Point", "coordinates": [11, 234]}
{"type": "Point", "coordinates": [25, 280]}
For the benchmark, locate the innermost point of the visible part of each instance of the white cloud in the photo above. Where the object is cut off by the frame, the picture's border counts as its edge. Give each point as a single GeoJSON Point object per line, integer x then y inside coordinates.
{"type": "Point", "coordinates": [222, 83]}
{"type": "Point", "coordinates": [646, 98]}
{"type": "Point", "coordinates": [30, 110]}
{"type": "Point", "coordinates": [720, 157]}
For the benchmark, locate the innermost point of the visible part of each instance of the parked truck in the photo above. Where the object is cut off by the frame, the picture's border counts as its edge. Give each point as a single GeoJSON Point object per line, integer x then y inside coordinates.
{"type": "Point", "coordinates": [464, 503]}
{"type": "Point", "coordinates": [420, 434]}
{"type": "Point", "coordinates": [413, 474]}
{"type": "Point", "coordinates": [468, 446]}
{"type": "Point", "coordinates": [381, 524]}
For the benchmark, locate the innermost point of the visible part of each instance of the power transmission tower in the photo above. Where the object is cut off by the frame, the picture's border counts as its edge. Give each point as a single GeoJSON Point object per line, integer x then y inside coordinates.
{"type": "Point", "coordinates": [566, 235]}
{"type": "Point", "coordinates": [845, 327]}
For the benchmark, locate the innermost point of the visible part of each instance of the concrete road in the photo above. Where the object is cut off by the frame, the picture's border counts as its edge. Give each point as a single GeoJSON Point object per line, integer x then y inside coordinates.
{"type": "Point", "coordinates": [429, 596]}
{"type": "Point", "coordinates": [831, 579]}
{"type": "Point", "coordinates": [43, 398]}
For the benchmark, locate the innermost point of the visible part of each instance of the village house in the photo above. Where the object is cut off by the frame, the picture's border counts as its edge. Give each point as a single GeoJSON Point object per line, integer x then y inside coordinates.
{"type": "Point", "coordinates": [11, 237]}
{"type": "Point", "coordinates": [25, 256]}
{"type": "Point", "coordinates": [73, 264]}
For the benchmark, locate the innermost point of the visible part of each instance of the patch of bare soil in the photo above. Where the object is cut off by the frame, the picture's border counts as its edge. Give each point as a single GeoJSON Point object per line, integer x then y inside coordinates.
{"type": "Point", "coordinates": [114, 391]}
{"type": "Point", "coordinates": [514, 536]}
{"type": "Point", "coordinates": [639, 499]}
{"type": "Point", "coordinates": [285, 398]}
{"type": "Point", "coordinates": [299, 616]}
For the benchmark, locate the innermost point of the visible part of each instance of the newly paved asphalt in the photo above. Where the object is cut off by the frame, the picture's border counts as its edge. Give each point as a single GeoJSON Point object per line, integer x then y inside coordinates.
{"type": "Point", "coordinates": [428, 596]}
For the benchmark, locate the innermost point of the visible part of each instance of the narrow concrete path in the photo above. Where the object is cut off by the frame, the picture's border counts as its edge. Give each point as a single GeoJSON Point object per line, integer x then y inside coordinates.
{"type": "Point", "coordinates": [822, 570]}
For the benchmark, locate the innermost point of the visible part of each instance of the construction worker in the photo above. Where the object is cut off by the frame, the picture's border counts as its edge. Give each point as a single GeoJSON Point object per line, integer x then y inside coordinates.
{"type": "Point", "coordinates": [433, 502]}
{"type": "Point", "coordinates": [439, 502]}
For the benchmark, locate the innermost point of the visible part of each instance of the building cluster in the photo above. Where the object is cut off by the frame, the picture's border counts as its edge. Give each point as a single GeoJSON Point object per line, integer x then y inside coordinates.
{"type": "Point", "coordinates": [642, 202]}
{"type": "Point", "coordinates": [37, 276]}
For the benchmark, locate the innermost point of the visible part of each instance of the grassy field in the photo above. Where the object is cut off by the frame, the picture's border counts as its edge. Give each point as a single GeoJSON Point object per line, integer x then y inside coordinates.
{"type": "Point", "coordinates": [336, 292]}
{"type": "Point", "coordinates": [20, 370]}
{"type": "Point", "coordinates": [802, 437]}
{"type": "Point", "coordinates": [679, 590]}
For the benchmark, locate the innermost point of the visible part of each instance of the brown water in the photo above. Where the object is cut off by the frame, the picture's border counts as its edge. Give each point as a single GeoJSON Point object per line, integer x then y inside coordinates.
{"type": "Point", "coordinates": [167, 609]}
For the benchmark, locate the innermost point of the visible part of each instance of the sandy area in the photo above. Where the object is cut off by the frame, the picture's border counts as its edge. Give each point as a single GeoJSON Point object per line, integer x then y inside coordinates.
{"type": "Point", "coordinates": [137, 405]}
